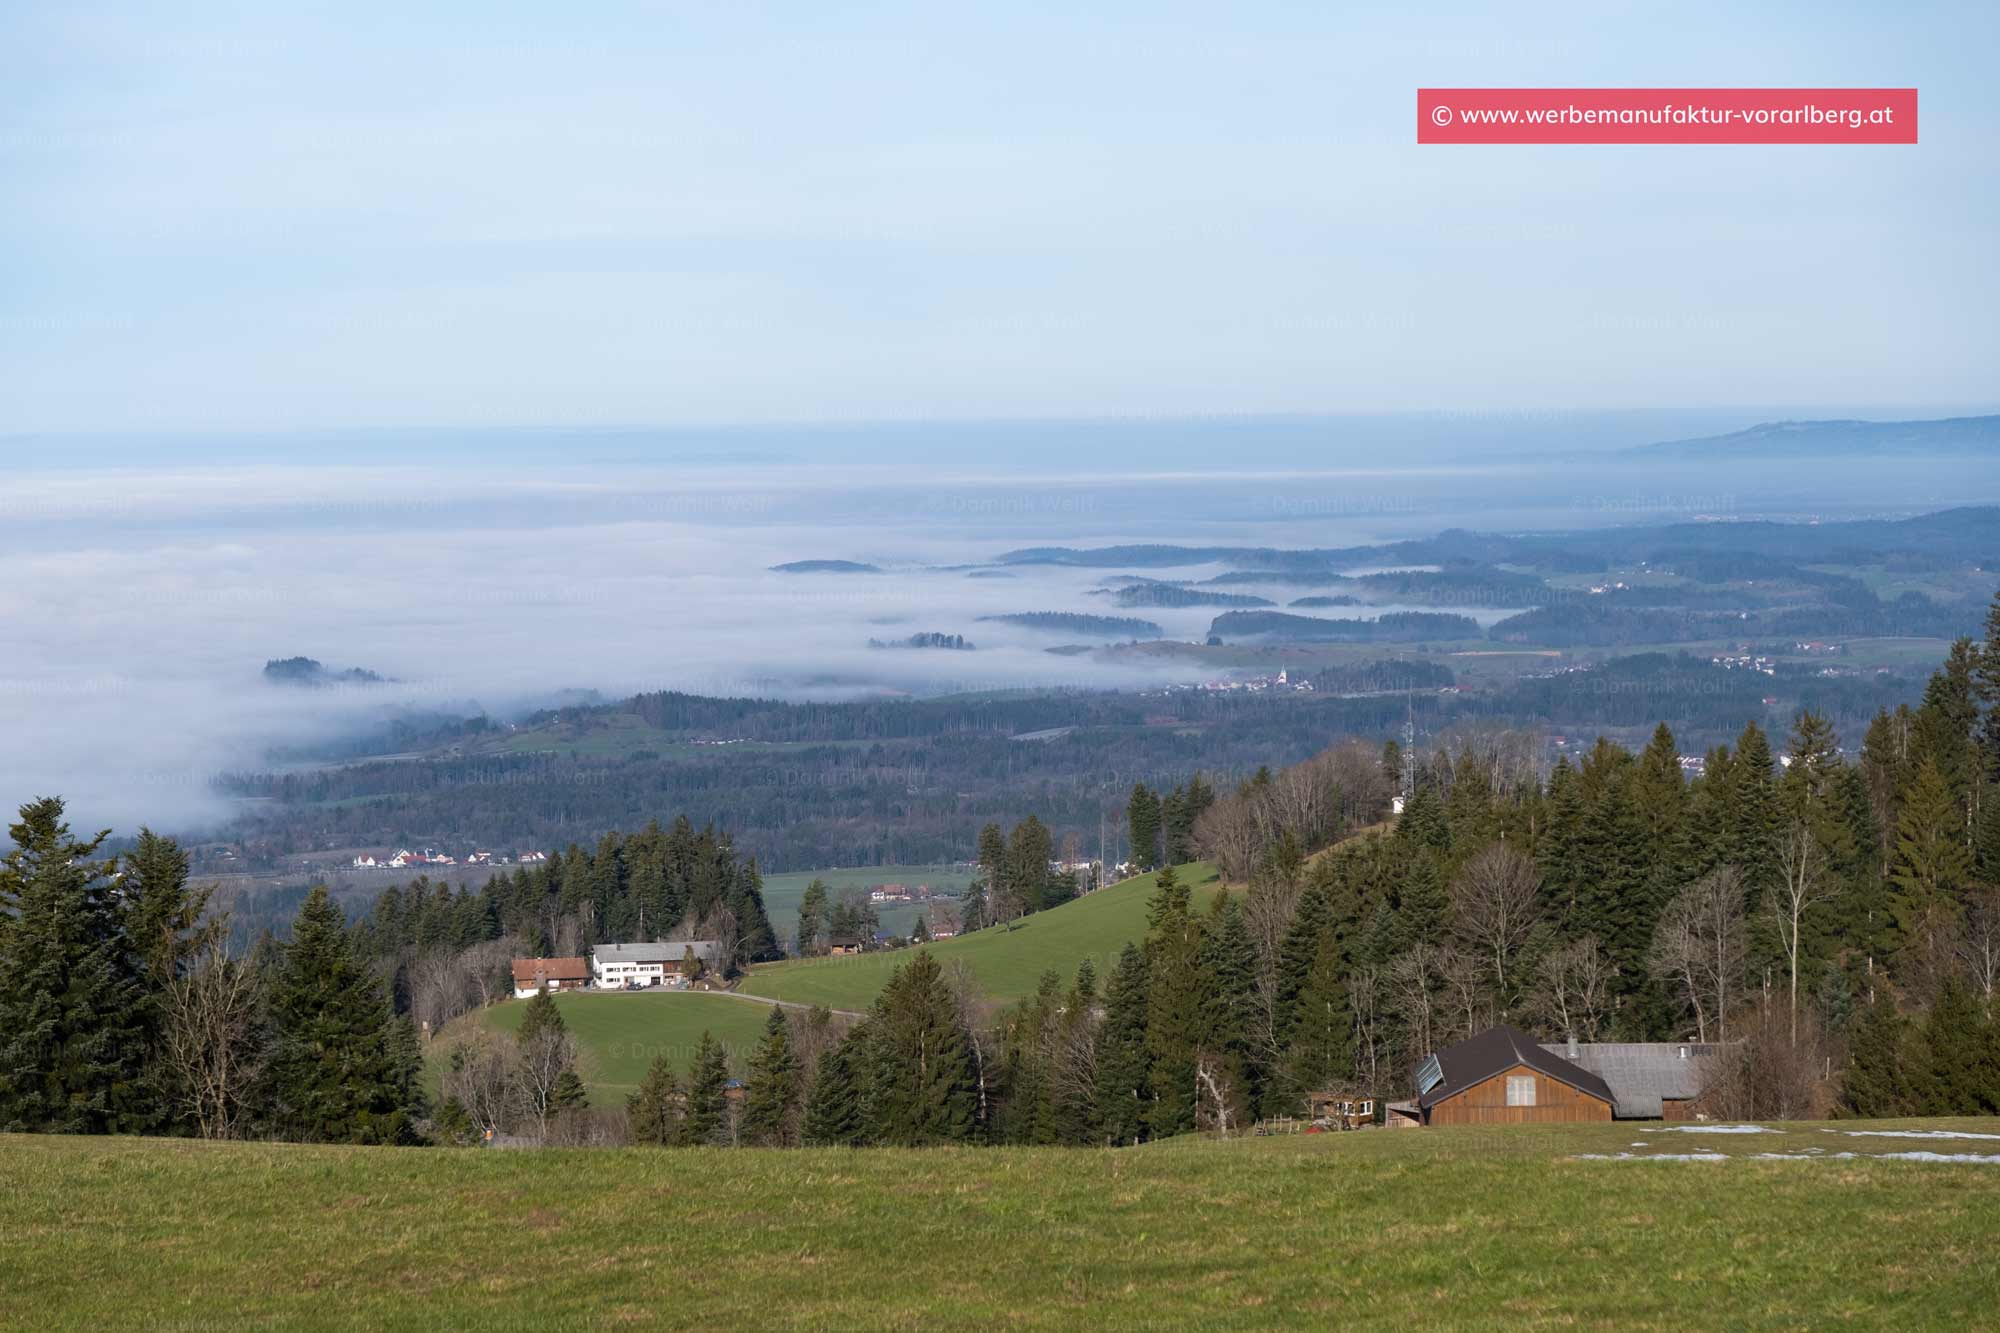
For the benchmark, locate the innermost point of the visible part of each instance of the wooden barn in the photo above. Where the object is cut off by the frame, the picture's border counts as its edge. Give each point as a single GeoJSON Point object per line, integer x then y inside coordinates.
{"type": "Point", "coordinates": [1503, 1076]}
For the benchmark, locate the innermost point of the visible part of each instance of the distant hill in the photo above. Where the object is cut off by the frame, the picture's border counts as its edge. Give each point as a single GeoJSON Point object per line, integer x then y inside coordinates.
{"type": "Point", "coordinates": [926, 640]}
{"type": "Point", "coordinates": [1326, 601]}
{"type": "Point", "coordinates": [1173, 594]}
{"type": "Point", "coordinates": [1072, 622]}
{"type": "Point", "coordinates": [305, 671]}
{"type": "Point", "coordinates": [825, 567]}
{"type": "Point", "coordinates": [1948, 436]}
{"type": "Point", "coordinates": [1396, 627]}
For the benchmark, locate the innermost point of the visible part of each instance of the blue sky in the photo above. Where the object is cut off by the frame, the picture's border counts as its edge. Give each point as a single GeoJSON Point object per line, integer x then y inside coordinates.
{"type": "Point", "coordinates": [252, 217]}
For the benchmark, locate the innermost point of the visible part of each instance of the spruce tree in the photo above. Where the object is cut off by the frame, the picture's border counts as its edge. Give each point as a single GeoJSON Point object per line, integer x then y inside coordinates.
{"type": "Point", "coordinates": [707, 1119]}
{"type": "Point", "coordinates": [924, 1084]}
{"type": "Point", "coordinates": [1169, 895]}
{"type": "Point", "coordinates": [654, 1111]}
{"type": "Point", "coordinates": [771, 1091]}
{"type": "Point", "coordinates": [1425, 905]}
{"type": "Point", "coordinates": [1424, 822]}
{"type": "Point", "coordinates": [1875, 1084]}
{"type": "Point", "coordinates": [1142, 811]}
{"type": "Point", "coordinates": [1321, 1054]}
{"type": "Point", "coordinates": [1174, 1011]}
{"type": "Point", "coordinates": [1124, 1081]}
{"type": "Point", "coordinates": [833, 1106]}
{"type": "Point", "coordinates": [1928, 873]}
{"type": "Point", "coordinates": [73, 1016]}
{"type": "Point", "coordinates": [812, 919]}
{"type": "Point", "coordinates": [340, 1069]}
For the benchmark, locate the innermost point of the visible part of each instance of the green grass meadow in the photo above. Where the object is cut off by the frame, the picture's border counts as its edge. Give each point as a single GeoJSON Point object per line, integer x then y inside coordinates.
{"type": "Point", "coordinates": [621, 1032]}
{"type": "Point", "coordinates": [783, 892]}
{"type": "Point", "coordinates": [1488, 1227]}
{"type": "Point", "coordinates": [1007, 962]}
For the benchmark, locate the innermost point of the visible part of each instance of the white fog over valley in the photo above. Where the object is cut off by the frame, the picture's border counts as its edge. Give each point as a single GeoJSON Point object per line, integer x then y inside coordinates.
{"type": "Point", "coordinates": [496, 573]}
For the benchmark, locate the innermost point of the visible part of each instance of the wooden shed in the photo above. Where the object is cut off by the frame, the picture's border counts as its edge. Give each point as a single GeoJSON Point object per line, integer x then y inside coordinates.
{"type": "Point", "coordinates": [1503, 1076]}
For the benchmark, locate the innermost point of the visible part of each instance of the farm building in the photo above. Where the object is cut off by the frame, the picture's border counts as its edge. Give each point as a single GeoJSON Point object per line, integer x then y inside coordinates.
{"type": "Point", "coordinates": [1503, 1076]}
{"type": "Point", "coordinates": [1649, 1080]}
{"type": "Point", "coordinates": [533, 975]}
{"type": "Point", "coordinates": [619, 966]}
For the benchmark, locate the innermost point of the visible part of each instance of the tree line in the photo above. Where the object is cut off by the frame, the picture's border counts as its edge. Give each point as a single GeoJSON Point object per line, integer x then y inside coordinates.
{"type": "Point", "coordinates": [125, 1014]}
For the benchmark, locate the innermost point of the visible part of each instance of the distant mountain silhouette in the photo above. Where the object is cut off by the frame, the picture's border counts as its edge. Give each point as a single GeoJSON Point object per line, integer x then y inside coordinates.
{"type": "Point", "coordinates": [1949, 436]}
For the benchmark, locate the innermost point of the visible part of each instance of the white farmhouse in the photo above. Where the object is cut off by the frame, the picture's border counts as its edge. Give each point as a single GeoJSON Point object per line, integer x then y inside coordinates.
{"type": "Point", "coordinates": [622, 966]}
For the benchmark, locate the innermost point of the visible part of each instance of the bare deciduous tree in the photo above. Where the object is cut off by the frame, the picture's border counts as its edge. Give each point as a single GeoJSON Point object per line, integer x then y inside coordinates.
{"type": "Point", "coordinates": [1802, 865]}
{"type": "Point", "coordinates": [210, 1041]}
{"type": "Point", "coordinates": [1572, 988]}
{"type": "Point", "coordinates": [1364, 993]}
{"type": "Point", "coordinates": [540, 1068]}
{"type": "Point", "coordinates": [1778, 1071]}
{"type": "Point", "coordinates": [480, 1075]}
{"type": "Point", "coordinates": [1413, 974]}
{"type": "Point", "coordinates": [1228, 834]}
{"type": "Point", "coordinates": [1698, 946]}
{"type": "Point", "coordinates": [1495, 901]}
{"type": "Point", "coordinates": [1467, 991]}
{"type": "Point", "coordinates": [1979, 945]}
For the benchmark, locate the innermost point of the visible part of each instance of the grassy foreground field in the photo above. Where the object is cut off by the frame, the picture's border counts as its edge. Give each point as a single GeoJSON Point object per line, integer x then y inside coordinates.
{"type": "Point", "coordinates": [1007, 963]}
{"type": "Point", "coordinates": [621, 1032]}
{"type": "Point", "coordinates": [1452, 1227]}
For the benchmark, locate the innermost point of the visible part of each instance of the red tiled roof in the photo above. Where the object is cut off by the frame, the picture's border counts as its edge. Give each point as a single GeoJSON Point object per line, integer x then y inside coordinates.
{"type": "Point", "coordinates": [541, 971]}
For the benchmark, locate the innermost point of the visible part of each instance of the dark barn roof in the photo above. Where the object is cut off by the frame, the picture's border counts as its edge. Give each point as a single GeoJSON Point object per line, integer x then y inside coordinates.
{"type": "Point", "coordinates": [1497, 1050]}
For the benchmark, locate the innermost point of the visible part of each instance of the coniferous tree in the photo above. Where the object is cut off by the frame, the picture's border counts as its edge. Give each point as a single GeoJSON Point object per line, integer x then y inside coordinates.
{"type": "Point", "coordinates": [924, 1084]}
{"type": "Point", "coordinates": [342, 1067]}
{"type": "Point", "coordinates": [707, 1118]}
{"type": "Point", "coordinates": [1424, 821]}
{"type": "Point", "coordinates": [73, 1035]}
{"type": "Point", "coordinates": [1928, 874]}
{"type": "Point", "coordinates": [1425, 904]}
{"type": "Point", "coordinates": [1952, 1066]}
{"type": "Point", "coordinates": [771, 1092]}
{"type": "Point", "coordinates": [1321, 1054]}
{"type": "Point", "coordinates": [1143, 814]}
{"type": "Point", "coordinates": [1124, 1068]}
{"type": "Point", "coordinates": [1174, 1004]}
{"type": "Point", "coordinates": [812, 919]}
{"type": "Point", "coordinates": [834, 1115]}
{"type": "Point", "coordinates": [1875, 1084]}
{"type": "Point", "coordinates": [654, 1111]}
{"type": "Point", "coordinates": [1169, 895]}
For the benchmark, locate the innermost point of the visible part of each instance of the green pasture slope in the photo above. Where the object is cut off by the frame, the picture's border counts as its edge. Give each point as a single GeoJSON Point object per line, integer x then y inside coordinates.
{"type": "Point", "coordinates": [1007, 962]}
{"type": "Point", "coordinates": [621, 1032]}
{"type": "Point", "coordinates": [1443, 1228]}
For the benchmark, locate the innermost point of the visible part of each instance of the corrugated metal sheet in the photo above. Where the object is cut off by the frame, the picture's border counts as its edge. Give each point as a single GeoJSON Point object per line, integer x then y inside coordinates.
{"type": "Point", "coordinates": [1642, 1075]}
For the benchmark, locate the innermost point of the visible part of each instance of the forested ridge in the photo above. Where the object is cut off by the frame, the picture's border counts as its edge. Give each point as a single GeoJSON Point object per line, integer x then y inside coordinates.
{"type": "Point", "coordinates": [913, 781]}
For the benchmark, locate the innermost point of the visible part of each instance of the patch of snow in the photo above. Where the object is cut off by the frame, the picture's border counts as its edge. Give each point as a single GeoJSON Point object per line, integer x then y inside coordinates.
{"type": "Point", "coordinates": [1713, 1129]}
{"type": "Point", "coordinates": [1652, 1157]}
{"type": "Point", "coordinates": [1914, 1134]}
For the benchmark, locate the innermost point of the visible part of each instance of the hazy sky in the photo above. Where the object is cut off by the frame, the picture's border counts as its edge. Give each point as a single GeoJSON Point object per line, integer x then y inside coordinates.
{"type": "Point", "coordinates": [253, 216]}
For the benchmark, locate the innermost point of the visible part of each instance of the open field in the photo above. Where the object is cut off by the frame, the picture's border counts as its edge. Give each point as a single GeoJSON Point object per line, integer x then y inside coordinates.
{"type": "Point", "coordinates": [1437, 1228]}
{"type": "Point", "coordinates": [621, 1032]}
{"type": "Point", "coordinates": [1007, 962]}
{"type": "Point", "coordinates": [782, 892]}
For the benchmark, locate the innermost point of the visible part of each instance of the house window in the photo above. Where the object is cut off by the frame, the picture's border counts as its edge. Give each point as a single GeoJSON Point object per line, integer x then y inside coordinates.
{"type": "Point", "coordinates": [1521, 1090]}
